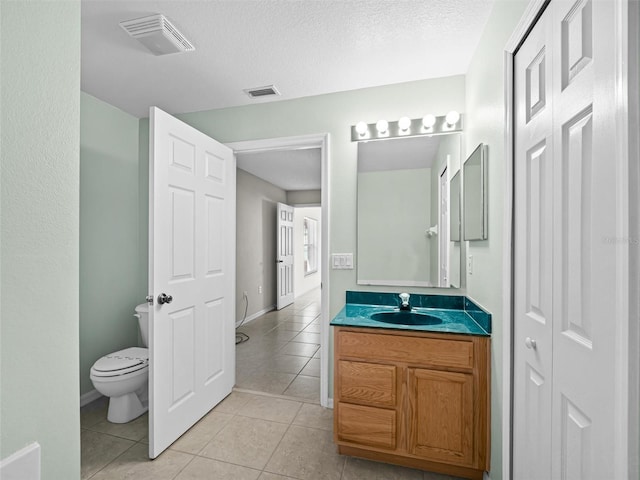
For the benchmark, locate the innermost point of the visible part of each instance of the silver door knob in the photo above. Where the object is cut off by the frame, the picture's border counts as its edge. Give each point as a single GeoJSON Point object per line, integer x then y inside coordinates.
{"type": "Point", "coordinates": [530, 343]}
{"type": "Point", "coordinates": [164, 298]}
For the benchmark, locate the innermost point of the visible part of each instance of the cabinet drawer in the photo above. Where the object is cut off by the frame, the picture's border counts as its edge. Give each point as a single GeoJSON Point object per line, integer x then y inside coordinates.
{"type": "Point", "coordinates": [374, 427]}
{"type": "Point", "coordinates": [368, 383]}
{"type": "Point", "coordinates": [413, 350]}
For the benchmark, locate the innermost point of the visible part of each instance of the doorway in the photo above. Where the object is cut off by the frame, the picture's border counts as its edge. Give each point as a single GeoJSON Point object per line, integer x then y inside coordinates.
{"type": "Point", "coordinates": [307, 317]}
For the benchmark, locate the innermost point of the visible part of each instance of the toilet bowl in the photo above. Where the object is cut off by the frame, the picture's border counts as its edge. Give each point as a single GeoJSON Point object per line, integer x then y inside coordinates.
{"type": "Point", "coordinates": [123, 376]}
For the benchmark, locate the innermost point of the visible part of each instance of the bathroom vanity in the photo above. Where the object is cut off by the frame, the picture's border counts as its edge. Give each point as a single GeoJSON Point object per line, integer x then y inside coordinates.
{"type": "Point", "coordinates": [413, 394]}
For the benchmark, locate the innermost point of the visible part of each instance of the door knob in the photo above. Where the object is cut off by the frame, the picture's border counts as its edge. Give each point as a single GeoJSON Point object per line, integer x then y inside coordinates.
{"type": "Point", "coordinates": [279, 261]}
{"type": "Point", "coordinates": [164, 298]}
{"type": "Point", "coordinates": [530, 343]}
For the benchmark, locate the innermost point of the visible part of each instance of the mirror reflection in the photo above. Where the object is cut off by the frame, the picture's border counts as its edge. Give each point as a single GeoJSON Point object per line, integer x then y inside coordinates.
{"type": "Point", "coordinates": [475, 195]}
{"type": "Point", "coordinates": [404, 200]}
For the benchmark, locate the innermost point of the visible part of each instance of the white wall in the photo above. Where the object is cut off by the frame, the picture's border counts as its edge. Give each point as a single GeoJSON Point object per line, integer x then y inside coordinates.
{"type": "Point", "coordinates": [256, 215]}
{"type": "Point", "coordinates": [301, 283]}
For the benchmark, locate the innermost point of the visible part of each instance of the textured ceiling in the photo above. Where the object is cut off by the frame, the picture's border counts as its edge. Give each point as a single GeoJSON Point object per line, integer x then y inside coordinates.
{"type": "Point", "coordinates": [304, 47]}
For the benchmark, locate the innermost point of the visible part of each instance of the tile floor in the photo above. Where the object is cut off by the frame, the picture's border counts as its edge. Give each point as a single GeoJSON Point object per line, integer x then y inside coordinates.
{"type": "Point", "coordinates": [246, 437]}
{"type": "Point", "coordinates": [282, 355]}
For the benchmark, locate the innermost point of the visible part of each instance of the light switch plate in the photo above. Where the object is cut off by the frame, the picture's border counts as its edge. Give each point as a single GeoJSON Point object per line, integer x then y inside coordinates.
{"type": "Point", "coordinates": [342, 261]}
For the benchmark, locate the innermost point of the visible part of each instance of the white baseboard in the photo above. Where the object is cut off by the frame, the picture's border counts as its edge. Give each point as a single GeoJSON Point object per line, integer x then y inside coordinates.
{"type": "Point", "coordinates": [250, 318]}
{"type": "Point", "coordinates": [89, 397]}
{"type": "Point", "coordinates": [329, 402]}
{"type": "Point", "coordinates": [22, 465]}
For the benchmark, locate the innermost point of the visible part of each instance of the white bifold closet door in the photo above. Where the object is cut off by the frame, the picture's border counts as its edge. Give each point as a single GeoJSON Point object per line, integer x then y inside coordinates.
{"type": "Point", "coordinates": [565, 268]}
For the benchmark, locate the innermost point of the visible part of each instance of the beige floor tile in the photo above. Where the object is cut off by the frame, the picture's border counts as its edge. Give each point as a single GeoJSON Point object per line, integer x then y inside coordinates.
{"type": "Point", "coordinates": [280, 334]}
{"type": "Point", "coordinates": [307, 454]}
{"type": "Point", "coordinates": [312, 328]}
{"type": "Point", "coordinates": [286, 363]}
{"type": "Point", "coordinates": [293, 326]}
{"type": "Point", "coordinates": [134, 464]}
{"type": "Point", "coordinates": [197, 437]}
{"type": "Point", "coordinates": [438, 476]}
{"type": "Point", "coordinates": [99, 449]}
{"type": "Point", "coordinates": [207, 469]}
{"type": "Point", "coordinates": [314, 416]}
{"type": "Point", "coordinates": [267, 381]}
{"type": "Point", "coordinates": [359, 469]}
{"type": "Point", "coordinates": [273, 476]}
{"type": "Point", "coordinates": [300, 349]}
{"type": "Point", "coordinates": [272, 409]}
{"type": "Point", "coordinates": [134, 430]}
{"type": "Point", "coordinates": [233, 402]}
{"type": "Point", "coordinates": [95, 412]}
{"type": "Point", "coordinates": [307, 337]}
{"type": "Point", "coordinates": [312, 368]}
{"type": "Point", "coordinates": [307, 388]}
{"type": "Point", "coordinates": [244, 441]}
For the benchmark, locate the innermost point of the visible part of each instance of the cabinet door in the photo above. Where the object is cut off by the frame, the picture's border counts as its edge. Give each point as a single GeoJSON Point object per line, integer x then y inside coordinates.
{"type": "Point", "coordinates": [441, 415]}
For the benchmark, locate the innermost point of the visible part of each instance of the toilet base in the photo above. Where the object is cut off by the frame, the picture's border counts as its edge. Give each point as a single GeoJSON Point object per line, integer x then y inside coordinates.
{"type": "Point", "coordinates": [125, 408]}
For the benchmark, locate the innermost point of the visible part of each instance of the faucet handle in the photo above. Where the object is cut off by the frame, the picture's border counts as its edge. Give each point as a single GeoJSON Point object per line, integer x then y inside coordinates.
{"type": "Point", "coordinates": [404, 298]}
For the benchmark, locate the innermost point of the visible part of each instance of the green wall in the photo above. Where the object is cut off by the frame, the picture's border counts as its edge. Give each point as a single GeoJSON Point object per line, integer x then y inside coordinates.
{"type": "Point", "coordinates": [110, 280]}
{"type": "Point", "coordinates": [485, 123]}
{"type": "Point", "coordinates": [40, 116]}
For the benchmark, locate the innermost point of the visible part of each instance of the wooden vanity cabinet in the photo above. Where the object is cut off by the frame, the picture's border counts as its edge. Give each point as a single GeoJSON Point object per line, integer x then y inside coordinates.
{"type": "Point", "coordinates": [413, 398]}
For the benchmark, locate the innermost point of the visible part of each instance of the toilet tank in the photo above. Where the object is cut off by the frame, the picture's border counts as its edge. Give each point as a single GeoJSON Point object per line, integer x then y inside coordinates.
{"type": "Point", "coordinates": [142, 314]}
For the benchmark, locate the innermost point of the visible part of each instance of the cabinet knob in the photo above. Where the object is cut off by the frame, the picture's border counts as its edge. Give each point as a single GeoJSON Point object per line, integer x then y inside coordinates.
{"type": "Point", "coordinates": [530, 343]}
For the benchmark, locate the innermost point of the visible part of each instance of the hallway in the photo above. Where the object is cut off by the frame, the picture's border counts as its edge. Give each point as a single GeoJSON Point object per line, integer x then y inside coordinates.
{"type": "Point", "coordinates": [282, 355]}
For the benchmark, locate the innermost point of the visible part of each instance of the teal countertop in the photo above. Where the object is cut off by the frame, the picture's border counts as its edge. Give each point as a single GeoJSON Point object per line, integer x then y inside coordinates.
{"type": "Point", "coordinates": [454, 320]}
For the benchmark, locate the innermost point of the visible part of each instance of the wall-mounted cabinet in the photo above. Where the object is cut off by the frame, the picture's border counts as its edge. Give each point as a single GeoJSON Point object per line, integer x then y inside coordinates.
{"type": "Point", "coordinates": [413, 398]}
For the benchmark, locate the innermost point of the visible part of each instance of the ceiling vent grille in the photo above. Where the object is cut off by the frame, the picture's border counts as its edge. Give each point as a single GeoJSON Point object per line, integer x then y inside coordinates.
{"type": "Point", "coordinates": [262, 91]}
{"type": "Point", "coordinates": [158, 34]}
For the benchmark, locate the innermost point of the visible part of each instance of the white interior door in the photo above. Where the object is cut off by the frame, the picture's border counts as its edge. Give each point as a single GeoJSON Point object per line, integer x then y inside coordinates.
{"type": "Point", "coordinates": [192, 259]}
{"type": "Point", "coordinates": [284, 256]}
{"type": "Point", "coordinates": [443, 229]}
{"type": "Point", "coordinates": [565, 364]}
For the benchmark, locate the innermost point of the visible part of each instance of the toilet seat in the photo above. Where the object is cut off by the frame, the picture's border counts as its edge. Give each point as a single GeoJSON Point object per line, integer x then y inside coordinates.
{"type": "Point", "coordinates": [122, 362]}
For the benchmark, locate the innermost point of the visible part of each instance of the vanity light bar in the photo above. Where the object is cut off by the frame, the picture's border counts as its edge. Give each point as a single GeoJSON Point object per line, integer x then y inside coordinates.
{"type": "Point", "coordinates": [406, 127]}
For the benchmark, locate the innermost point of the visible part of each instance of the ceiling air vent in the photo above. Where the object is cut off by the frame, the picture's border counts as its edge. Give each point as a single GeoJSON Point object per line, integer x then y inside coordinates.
{"type": "Point", "coordinates": [262, 91]}
{"type": "Point", "coordinates": [158, 34]}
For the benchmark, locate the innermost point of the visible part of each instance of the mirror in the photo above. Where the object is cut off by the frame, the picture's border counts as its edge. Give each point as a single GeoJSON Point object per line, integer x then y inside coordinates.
{"type": "Point", "coordinates": [475, 195]}
{"type": "Point", "coordinates": [404, 195]}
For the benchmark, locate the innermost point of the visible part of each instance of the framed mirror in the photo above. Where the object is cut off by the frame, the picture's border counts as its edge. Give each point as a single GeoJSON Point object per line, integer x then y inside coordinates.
{"type": "Point", "coordinates": [404, 195]}
{"type": "Point", "coordinates": [475, 195]}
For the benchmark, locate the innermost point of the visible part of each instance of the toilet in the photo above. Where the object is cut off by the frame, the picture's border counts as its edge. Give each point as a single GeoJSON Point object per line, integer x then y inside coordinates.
{"type": "Point", "coordinates": [123, 376]}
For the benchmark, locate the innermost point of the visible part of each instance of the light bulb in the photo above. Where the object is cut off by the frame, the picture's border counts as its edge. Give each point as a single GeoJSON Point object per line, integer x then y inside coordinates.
{"type": "Point", "coordinates": [382, 126]}
{"type": "Point", "coordinates": [404, 123]}
{"type": "Point", "coordinates": [452, 118]}
{"type": "Point", "coordinates": [428, 121]}
{"type": "Point", "coordinates": [361, 128]}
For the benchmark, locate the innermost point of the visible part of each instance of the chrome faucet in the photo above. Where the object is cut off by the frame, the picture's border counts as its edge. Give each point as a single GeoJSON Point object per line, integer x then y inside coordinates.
{"type": "Point", "coordinates": [404, 299]}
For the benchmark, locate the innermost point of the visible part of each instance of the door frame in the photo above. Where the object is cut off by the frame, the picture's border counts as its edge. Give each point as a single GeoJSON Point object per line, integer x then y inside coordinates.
{"type": "Point", "coordinates": [445, 168]}
{"type": "Point", "coordinates": [321, 141]}
{"type": "Point", "coordinates": [627, 262]}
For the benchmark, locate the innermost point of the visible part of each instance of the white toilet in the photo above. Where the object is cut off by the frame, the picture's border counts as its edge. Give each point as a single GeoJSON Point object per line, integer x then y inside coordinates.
{"type": "Point", "coordinates": [123, 376]}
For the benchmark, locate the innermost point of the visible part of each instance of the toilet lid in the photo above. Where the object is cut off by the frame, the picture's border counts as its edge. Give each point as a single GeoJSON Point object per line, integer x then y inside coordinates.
{"type": "Point", "coordinates": [121, 362]}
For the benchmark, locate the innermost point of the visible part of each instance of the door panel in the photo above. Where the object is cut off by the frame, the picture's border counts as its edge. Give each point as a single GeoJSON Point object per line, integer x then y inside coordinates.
{"type": "Point", "coordinates": [533, 289]}
{"type": "Point", "coordinates": [285, 256]}
{"type": "Point", "coordinates": [192, 258]}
